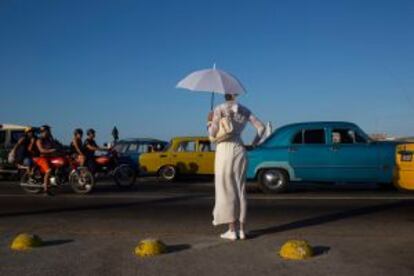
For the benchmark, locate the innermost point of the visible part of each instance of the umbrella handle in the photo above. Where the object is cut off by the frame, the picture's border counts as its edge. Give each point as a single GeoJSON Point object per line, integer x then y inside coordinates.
{"type": "Point", "coordinates": [212, 101]}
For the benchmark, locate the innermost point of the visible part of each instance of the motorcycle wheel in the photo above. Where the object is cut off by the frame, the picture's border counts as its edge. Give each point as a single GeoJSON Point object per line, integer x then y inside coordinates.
{"type": "Point", "coordinates": [27, 179]}
{"type": "Point", "coordinates": [81, 181]}
{"type": "Point", "coordinates": [125, 176]}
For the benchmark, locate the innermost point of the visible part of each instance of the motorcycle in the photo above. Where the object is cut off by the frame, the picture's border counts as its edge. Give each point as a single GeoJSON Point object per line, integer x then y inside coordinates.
{"type": "Point", "coordinates": [64, 170]}
{"type": "Point", "coordinates": [108, 165]}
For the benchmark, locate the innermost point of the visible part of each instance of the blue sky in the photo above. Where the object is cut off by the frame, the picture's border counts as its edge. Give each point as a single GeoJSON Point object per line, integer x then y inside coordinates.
{"type": "Point", "coordinates": [80, 63]}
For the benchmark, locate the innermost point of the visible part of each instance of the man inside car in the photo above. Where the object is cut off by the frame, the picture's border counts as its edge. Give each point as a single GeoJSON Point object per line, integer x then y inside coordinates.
{"type": "Point", "coordinates": [25, 149]}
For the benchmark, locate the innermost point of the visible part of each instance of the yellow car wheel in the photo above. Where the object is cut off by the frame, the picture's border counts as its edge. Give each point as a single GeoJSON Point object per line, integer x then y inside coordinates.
{"type": "Point", "coordinates": [168, 173]}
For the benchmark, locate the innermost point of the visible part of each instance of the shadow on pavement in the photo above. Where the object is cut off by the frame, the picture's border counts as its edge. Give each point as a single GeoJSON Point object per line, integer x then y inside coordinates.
{"type": "Point", "coordinates": [177, 248]}
{"type": "Point", "coordinates": [55, 242]}
{"type": "Point", "coordinates": [320, 250]}
{"type": "Point", "coordinates": [326, 219]}
{"type": "Point", "coordinates": [101, 206]}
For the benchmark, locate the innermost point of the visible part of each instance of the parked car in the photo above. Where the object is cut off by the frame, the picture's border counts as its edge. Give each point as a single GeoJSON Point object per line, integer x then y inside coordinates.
{"type": "Point", "coordinates": [183, 156]}
{"type": "Point", "coordinates": [404, 171]}
{"type": "Point", "coordinates": [129, 150]}
{"type": "Point", "coordinates": [320, 152]}
{"type": "Point", "coordinates": [9, 135]}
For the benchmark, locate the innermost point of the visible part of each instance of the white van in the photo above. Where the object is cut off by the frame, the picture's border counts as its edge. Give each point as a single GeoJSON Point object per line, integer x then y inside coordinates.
{"type": "Point", "coordinates": [9, 135]}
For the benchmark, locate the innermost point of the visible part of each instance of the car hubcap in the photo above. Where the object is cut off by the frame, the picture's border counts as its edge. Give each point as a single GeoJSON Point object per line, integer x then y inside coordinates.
{"type": "Point", "coordinates": [169, 172]}
{"type": "Point", "coordinates": [273, 179]}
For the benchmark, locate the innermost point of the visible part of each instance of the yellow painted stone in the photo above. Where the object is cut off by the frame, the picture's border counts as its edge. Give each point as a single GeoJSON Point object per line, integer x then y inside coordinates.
{"type": "Point", "coordinates": [150, 247]}
{"type": "Point", "coordinates": [296, 250]}
{"type": "Point", "coordinates": [25, 241]}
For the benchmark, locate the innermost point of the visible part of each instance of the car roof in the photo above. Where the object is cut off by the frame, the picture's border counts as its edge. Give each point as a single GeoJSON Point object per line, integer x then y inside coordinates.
{"type": "Point", "coordinates": [320, 124]}
{"type": "Point", "coordinates": [284, 133]}
{"type": "Point", "coordinates": [190, 138]}
{"type": "Point", "coordinates": [12, 127]}
{"type": "Point", "coordinates": [140, 140]}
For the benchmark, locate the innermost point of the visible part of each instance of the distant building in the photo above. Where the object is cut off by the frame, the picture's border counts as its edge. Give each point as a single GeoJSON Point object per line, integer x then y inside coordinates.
{"type": "Point", "coordinates": [379, 136]}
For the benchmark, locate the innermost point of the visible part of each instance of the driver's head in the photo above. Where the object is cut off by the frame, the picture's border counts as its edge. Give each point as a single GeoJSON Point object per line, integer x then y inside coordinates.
{"type": "Point", "coordinates": [91, 133]}
{"type": "Point", "coordinates": [336, 137]}
{"type": "Point", "coordinates": [45, 131]}
{"type": "Point", "coordinates": [78, 133]}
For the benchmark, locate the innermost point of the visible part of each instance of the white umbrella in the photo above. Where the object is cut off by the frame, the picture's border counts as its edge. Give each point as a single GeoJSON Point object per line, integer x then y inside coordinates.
{"type": "Point", "coordinates": [212, 80]}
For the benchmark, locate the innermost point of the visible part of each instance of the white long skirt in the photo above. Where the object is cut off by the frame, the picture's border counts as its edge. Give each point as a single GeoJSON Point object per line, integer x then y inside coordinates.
{"type": "Point", "coordinates": [230, 183]}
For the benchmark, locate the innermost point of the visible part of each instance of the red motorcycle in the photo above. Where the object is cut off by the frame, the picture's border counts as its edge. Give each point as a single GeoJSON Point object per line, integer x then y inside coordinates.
{"type": "Point", "coordinates": [109, 165]}
{"type": "Point", "coordinates": [64, 170]}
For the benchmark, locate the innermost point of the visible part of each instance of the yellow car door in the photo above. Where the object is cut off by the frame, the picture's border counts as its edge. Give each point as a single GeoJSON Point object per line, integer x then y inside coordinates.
{"type": "Point", "coordinates": [205, 156]}
{"type": "Point", "coordinates": [184, 157]}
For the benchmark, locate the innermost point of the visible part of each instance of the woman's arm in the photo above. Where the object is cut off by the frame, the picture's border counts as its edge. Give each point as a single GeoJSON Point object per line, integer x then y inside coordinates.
{"type": "Point", "coordinates": [92, 148]}
{"type": "Point", "coordinates": [77, 147]}
{"type": "Point", "coordinates": [42, 149]}
{"type": "Point", "coordinates": [260, 127]}
{"type": "Point", "coordinates": [31, 145]}
{"type": "Point", "coordinates": [17, 144]}
{"type": "Point", "coordinates": [213, 125]}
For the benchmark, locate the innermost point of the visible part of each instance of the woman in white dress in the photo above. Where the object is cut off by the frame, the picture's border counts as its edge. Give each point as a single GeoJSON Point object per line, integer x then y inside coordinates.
{"type": "Point", "coordinates": [230, 166]}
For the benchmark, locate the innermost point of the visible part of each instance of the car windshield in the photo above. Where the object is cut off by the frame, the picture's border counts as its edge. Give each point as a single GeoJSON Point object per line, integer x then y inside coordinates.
{"type": "Point", "coordinates": [120, 148]}
{"type": "Point", "coordinates": [167, 146]}
{"type": "Point", "coordinates": [16, 135]}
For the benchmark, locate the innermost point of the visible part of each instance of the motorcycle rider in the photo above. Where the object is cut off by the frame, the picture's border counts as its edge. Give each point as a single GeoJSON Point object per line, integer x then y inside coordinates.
{"type": "Point", "coordinates": [76, 147]}
{"type": "Point", "coordinates": [46, 146]}
{"type": "Point", "coordinates": [25, 149]}
{"type": "Point", "coordinates": [90, 147]}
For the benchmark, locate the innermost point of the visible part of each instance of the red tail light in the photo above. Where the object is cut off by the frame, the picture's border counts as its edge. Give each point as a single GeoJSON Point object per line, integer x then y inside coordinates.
{"type": "Point", "coordinates": [58, 161]}
{"type": "Point", "coordinates": [102, 160]}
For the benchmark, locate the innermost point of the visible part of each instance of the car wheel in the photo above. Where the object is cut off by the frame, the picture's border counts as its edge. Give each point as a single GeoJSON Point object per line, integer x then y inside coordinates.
{"type": "Point", "coordinates": [81, 181]}
{"type": "Point", "coordinates": [273, 180]}
{"type": "Point", "coordinates": [125, 176]}
{"type": "Point", "coordinates": [168, 173]}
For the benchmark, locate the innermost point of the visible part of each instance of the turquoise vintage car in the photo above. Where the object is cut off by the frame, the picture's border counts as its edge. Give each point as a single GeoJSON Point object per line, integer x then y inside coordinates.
{"type": "Point", "coordinates": [320, 152]}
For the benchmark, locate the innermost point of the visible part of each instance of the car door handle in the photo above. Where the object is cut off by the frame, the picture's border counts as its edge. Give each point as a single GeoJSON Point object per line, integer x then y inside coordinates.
{"type": "Point", "coordinates": [292, 149]}
{"type": "Point", "coordinates": [200, 155]}
{"type": "Point", "coordinates": [333, 148]}
{"type": "Point", "coordinates": [163, 156]}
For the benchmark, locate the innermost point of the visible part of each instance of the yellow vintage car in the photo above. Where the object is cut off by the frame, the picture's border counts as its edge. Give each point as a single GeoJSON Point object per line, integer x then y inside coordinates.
{"type": "Point", "coordinates": [183, 156]}
{"type": "Point", "coordinates": [404, 169]}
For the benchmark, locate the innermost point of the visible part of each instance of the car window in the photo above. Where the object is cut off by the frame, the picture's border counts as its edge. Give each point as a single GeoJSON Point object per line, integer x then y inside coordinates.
{"type": "Point", "coordinates": [2, 138]}
{"type": "Point", "coordinates": [314, 136]}
{"type": "Point", "coordinates": [346, 136]}
{"type": "Point", "coordinates": [121, 148]}
{"type": "Point", "coordinates": [360, 139]}
{"type": "Point", "coordinates": [144, 148]}
{"type": "Point", "coordinates": [16, 135]}
{"type": "Point", "coordinates": [206, 146]}
{"type": "Point", "coordinates": [133, 148]}
{"type": "Point", "coordinates": [298, 138]}
{"type": "Point", "coordinates": [160, 146]}
{"type": "Point", "coordinates": [186, 146]}
{"type": "Point", "coordinates": [153, 147]}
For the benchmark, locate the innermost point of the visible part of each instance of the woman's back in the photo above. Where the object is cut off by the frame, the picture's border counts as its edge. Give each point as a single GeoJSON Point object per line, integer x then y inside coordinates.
{"type": "Point", "coordinates": [239, 116]}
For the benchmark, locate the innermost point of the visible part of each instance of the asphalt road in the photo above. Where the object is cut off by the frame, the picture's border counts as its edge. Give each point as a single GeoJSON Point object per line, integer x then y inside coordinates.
{"type": "Point", "coordinates": [356, 230]}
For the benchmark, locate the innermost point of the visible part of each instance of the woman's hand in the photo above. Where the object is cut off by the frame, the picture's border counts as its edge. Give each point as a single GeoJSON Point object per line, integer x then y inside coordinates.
{"type": "Point", "coordinates": [210, 116]}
